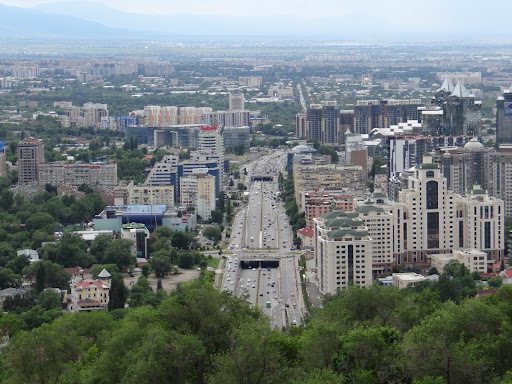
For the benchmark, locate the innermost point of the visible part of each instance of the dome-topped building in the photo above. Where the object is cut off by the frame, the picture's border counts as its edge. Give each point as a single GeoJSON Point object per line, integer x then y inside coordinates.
{"type": "Point", "coordinates": [473, 144]}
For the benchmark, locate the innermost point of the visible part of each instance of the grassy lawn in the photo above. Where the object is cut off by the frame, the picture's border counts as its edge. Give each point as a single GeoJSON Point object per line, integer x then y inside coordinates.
{"type": "Point", "coordinates": [214, 263]}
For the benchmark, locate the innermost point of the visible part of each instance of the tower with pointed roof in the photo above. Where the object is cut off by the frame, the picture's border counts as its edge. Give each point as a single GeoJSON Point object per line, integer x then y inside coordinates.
{"type": "Point", "coordinates": [461, 113]}
{"type": "Point", "coordinates": [442, 93]}
{"type": "Point", "coordinates": [104, 277]}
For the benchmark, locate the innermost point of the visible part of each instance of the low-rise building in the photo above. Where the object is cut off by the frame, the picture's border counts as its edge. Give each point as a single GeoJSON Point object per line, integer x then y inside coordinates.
{"type": "Point", "coordinates": [10, 292]}
{"type": "Point", "coordinates": [31, 253]}
{"type": "Point", "coordinates": [307, 237]}
{"type": "Point", "coordinates": [406, 279]}
{"type": "Point", "coordinates": [472, 259]}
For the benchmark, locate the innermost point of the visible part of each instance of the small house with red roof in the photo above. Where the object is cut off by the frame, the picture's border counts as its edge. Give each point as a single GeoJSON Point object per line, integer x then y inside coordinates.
{"type": "Point", "coordinates": [506, 275]}
{"type": "Point", "coordinates": [307, 237]}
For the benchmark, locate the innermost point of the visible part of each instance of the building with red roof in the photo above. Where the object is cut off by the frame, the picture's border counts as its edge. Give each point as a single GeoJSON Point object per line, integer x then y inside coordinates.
{"type": "Point", "coordinates": [88, 295]}
{"type": "Point", "coordinates": [307, 237]}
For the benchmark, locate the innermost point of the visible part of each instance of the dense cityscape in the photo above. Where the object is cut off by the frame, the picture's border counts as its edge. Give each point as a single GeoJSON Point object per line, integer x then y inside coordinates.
{"type": "Point", "coordinates": [253, 210]}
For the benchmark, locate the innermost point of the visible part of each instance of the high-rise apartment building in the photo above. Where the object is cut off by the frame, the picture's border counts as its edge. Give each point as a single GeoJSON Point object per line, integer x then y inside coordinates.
{"type": "Point", "coordinates": [431, 214]}
{"type": "Point", "coordinates": [226, 118]}
{"type": "Point", "coordinates": [192, 115]}
{"type": "Point", "coordinates": [370, 114]}
{"type": "Point", "coordinates": [197, 191]}
{"type": "Point", "coordinates": [210, 140]}
{"type": "Point", "coordinates": [250, 81]}
{"type": "Point", "coordinates": [156, 115]}
{"type": "Point", "coordinates": [404, 152]}
{"type": "Point", "coordinates": [205, 197]}
{"type": "Point", "coordinates": [504, 118]}
{"type": "Point", "coordinates": [330, 123]}
{"type": "Point", "coordinates": [464, 167]}
{"type": "Point", "coordinates": [314, 122]}
{"type": "Point", "coordinates": [499, 176]}
{"type": "Point", "coordinates": [301, 125]}
{"type": "Point", "coordinates": [322, 122]}
{"type": "Point", "coordinates": [236, 101]}
{"type": "Point", "coordinates": [30, 157]}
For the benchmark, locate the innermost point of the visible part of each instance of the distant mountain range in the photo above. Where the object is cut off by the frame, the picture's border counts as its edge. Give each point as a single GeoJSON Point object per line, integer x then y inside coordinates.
{"type": "Point", "coordinates": [23, 23]}
{"type": "Point", "coordinates": [90, 20]}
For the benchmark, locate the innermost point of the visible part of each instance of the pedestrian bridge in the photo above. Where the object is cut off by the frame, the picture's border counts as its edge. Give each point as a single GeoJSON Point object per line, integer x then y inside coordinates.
{"type": "Point", "coordinates": [259, 263]}
{"type": "Point", "coordinates": [262, 178]}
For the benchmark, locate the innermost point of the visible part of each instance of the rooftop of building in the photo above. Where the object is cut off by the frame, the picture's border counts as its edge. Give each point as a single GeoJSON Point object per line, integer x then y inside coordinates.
{"type": "Point", "coordinates": [409, 276]}
{"type": "Point", "coordinates": [303, 148]}
{"type": "Point", "coordinates": [306, 231]}
{"type": "Point", "coordinates": [84, 284]}
{"type": "Point", "coordinates": [128, 226]}
{"type": "Point", "coordinates": [337, 233]}
{"type": "Point", "coordinates": [10, 292]}
{"type": "Point", "coordinates": [343, 223]}
{"type": "Point", "coordinates": [428, 166]}
{"type": "Point", "coordinates": [368, 208]}
{"type": "Point", "coordinates": [336, 213]}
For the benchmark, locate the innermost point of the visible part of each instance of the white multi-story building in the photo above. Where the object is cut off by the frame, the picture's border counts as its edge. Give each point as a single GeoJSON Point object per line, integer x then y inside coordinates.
{"type": "Point", "coordinates": [343, 252]}
{"type": "Point", "coordinates": [151, 195]}
{"type": "Point", "coordinates": [481, 223]}
{"type": "Point", "coordinates": [430, 211]}
{"type": "Point", "coordinates": [211, 145]}
{"type": "Point", "coordinates": [379, 224]}
{"type": "Point", "coordinates": [139, 234]}
{"type": "Point", "coordinates": [210, 140]}
{"type": "Point", "coordinates": [163, 172]}
{"type": "Point", "coordinates": [94, 175]}
{"type": "Point", "coordinates": [197, 191]}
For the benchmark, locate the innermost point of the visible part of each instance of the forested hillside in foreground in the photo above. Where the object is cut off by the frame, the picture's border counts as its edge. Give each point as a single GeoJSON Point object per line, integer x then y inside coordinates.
{"type": "Point", "coordinates": [199, 335]}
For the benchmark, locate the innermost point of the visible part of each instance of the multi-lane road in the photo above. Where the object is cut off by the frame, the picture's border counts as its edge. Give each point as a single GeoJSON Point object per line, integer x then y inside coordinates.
{"type": "Point", "coordinates": [261, 232]}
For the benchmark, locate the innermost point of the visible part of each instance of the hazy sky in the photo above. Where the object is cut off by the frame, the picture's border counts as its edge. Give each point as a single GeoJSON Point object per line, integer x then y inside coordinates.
{"type": "Point", "coordinates": [397, 15]}
{"type": "Point", "coordinates": [396, 9]}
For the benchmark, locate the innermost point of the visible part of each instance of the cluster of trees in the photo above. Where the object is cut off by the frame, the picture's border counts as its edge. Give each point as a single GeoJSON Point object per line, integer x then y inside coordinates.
{"type": "Point", "coordinates": [200, 335]}
{"type": "Point", "coordinates": [297, 219]}
{"type": "Point", "coordinates": [27, 224]}
{"type": "Point", "coordinates": [170, 249]}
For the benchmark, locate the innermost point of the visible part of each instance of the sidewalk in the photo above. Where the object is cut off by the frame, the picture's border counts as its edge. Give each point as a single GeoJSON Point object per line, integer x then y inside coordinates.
{"type": "Point", "coordinates": [314, 294]}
